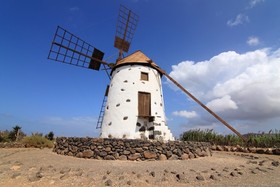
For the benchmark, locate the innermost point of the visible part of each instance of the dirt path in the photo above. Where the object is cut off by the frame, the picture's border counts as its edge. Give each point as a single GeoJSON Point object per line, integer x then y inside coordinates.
{"type": "Point", "coordinates": [42, 167]}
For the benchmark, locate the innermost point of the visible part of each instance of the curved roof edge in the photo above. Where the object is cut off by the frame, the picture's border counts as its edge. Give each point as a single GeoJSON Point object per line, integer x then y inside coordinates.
{"type": "Point", "coordinates": [138, 57]}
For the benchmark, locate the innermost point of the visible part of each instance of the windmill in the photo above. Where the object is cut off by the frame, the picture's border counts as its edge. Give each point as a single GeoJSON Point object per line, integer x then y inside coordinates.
{"type": "Point", "coordinates": [133, 105]}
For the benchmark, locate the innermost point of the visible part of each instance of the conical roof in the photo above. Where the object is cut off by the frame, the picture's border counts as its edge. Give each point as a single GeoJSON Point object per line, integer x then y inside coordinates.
{"type": "Point", "coordinates": [137, 57]}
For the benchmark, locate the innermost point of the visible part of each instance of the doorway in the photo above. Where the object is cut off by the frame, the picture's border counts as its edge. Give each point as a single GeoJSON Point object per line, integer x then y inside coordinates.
{"type": "Point", "coordinates": [144, 104]}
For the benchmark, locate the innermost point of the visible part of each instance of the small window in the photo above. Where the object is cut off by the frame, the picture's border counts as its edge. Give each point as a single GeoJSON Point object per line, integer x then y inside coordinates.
{"type": "Point", "coordinates": [144, 76]}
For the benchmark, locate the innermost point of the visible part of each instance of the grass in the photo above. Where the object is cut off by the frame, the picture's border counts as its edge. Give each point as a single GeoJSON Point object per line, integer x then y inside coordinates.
{"type": "Point", "coordinates": [270, 139]}
{"type": "Point", "coordinates": [37, 141]}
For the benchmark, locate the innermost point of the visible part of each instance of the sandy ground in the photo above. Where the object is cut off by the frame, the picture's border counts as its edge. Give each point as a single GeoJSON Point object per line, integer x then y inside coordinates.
{"type": "Point", "coordinates": [42, 167]}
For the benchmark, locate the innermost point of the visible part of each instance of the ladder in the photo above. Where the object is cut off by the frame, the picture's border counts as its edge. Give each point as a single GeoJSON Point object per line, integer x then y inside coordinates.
{"type": "Point", "coordinates": [102, 111]}
{"type": "Point", "coordinates": [101, 114]}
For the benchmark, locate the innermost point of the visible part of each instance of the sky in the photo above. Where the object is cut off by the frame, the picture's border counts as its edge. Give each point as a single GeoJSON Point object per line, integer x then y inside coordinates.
{"type": "Point", "coordinates": [226, 53]}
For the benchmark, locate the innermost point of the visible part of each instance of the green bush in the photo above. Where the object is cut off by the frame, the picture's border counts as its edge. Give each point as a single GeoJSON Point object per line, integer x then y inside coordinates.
{"type": "Point", "coordinates": [15, 134]}
{"type": "Point", "coordinates": [4, 136]}
{"type": "Point", "coordinates": [271, 139]}
{"type": "Point", "coordinates": [50, 136]}
{"type": "Point", "coordinates": [37, 141]}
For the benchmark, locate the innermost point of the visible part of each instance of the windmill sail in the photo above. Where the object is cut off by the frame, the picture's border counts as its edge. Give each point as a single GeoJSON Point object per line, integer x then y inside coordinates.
{"type": "Point", "coordinates": [70, 49]}
{"type": "Point", "coordinates": [126, 26]}
{"type": "Point", "coordinates": [95, 64]}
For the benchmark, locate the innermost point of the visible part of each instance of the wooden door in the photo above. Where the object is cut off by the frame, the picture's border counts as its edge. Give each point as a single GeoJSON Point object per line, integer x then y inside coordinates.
{"type": "Point", "coordinates": [144, 104]}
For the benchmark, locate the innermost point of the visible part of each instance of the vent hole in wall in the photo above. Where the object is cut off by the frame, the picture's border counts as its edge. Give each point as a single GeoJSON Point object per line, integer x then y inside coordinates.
{"type": "Point", "coordinates": [128, 100]}
{"type": "Point", "coordinates": [142, 129]}
{"type": "Point", "coordinates": [110, 124]}
{"type": "Point", "coordinates": [125, 81]}
{"type": "Point", "coordinates": [125, 118]}
{"type": "Point", "coordinates": [122, 89]}
{"type": "Point", "coordinates": [151, 128]}
{"type": "Point", "coordinates": [107, 107]}
{"type": "Point", "coordinates": [117, 105]}
{"type": "Point", "coordinates": [138, 124]}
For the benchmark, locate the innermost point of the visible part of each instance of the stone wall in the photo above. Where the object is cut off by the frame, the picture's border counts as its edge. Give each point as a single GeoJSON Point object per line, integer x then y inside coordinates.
{"type": "Point", "coordinates": [128, 149]}
{"type": "Point", "coordinates": [258, 150]}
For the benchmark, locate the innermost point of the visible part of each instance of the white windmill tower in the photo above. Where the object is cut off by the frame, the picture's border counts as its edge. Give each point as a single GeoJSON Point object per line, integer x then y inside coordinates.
{"type": "Point", "coordinates": [133, 106]}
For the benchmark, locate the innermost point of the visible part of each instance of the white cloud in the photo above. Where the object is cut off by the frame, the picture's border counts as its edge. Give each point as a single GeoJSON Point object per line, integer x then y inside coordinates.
{"type": "Point", "coordinates": [240, 19]}
{"type": "Point", "coordinates": [253, 3]}
{"type": "Point", "coordinates": [222, 104]}
{"type": "Point", "coordinates": [253, 41]}
{"type": "Point", "coordinates": [242, 88]}
{"type": "Point", "coordinates": [185, 114]}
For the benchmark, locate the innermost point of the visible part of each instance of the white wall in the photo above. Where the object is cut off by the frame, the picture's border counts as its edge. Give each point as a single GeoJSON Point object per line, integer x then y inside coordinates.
{"type": "Point", "coordinates": [121, 112]}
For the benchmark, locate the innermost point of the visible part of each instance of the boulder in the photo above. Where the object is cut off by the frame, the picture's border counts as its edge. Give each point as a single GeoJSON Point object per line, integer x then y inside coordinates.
{"type": "Point", "coordinates": [87, 153]}
{"type": "Point", "coordinates": [260, 151]}
{"type": "Point", "coordinates": [252, 149]}
{"type": "Point", "coordinates": [219, 148]}
{"type": "Point", "coordinates": [276, 151]}
{"type": "Point", "coordinates": [108, 149]}
{"type": "Point", "coordinates": [185, 156]}
{"type": "Point", "coordinates": [103, 154]}
{"type": "Point", "coordinates": [149, 154]}
{"type": "Point", "coordinates": [173, 157]}
{"type": "Point", "coordinates": [134, 156]}
{"type": "Point", "coordinates": [126, 152]}
{"type": "Point", "coordinates": [79, 155]}
{"type": "Point", "coordinates": [123, 157]}
{"type": "Point", "coordinates": [138, 150]}
{"type": "Point", "coordinates": [191, 155]}
{"type": "Point", "coordinates": [162, 157]}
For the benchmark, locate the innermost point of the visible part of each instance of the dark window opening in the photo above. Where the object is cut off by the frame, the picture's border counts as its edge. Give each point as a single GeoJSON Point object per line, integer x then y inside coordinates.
{"type": "Point", "coordinates": [144, 76]}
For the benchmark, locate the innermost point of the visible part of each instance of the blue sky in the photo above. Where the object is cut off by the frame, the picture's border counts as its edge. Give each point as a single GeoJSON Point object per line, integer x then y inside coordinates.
{"type": "Point", "coordinates": [227, 53]}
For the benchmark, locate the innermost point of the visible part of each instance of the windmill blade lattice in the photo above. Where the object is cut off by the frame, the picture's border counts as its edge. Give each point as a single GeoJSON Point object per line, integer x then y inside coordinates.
{"type": "Point", "coordinates": [70, 49]}
{"type": "Point", "coordinates": [126, 26]}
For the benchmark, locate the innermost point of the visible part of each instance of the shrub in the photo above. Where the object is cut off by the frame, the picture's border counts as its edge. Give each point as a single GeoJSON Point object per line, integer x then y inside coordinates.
{"type": "Point", "coordinates": [37, 141]}
{"type": "Point", "coordinates": [271, 139]}
{"type": "Point", "coordinates": [4, 136]}
{"type": "Point", "coordinates": [50, 136]}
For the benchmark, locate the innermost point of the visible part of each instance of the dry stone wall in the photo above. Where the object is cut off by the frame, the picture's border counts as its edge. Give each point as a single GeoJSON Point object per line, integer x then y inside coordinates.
{"type": "Point", "coordinates": [128, 149]}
